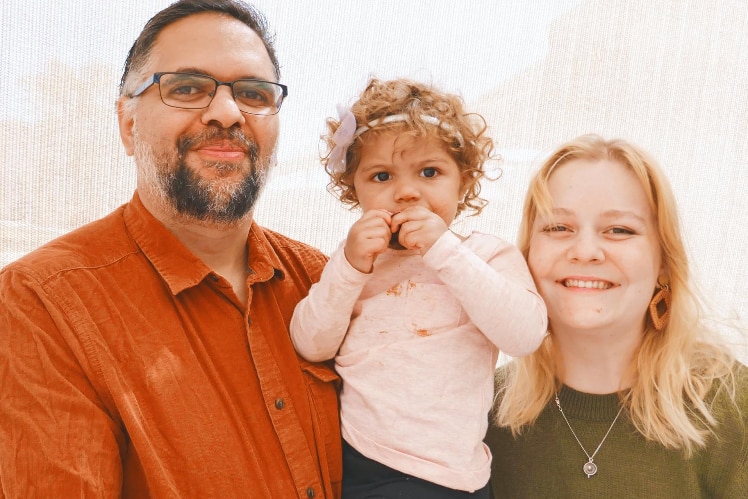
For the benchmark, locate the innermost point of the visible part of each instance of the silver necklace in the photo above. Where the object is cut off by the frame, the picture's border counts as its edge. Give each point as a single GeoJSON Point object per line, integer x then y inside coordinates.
{"type": "Point", "coordinates": [589, 468]}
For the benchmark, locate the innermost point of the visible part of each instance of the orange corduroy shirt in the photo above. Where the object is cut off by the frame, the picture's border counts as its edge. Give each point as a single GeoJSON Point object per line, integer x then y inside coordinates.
{"type": "Point", "coordinates": [129, 369]}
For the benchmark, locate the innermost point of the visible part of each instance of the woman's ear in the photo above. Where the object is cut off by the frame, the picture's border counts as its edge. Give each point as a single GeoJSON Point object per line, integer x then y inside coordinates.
{"type": "Point", "coordinates": [663, 277]}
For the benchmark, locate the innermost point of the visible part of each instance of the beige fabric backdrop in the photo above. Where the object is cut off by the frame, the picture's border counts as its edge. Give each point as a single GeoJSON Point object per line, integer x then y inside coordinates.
{"type": "Point", "coordinates": [670, 75]}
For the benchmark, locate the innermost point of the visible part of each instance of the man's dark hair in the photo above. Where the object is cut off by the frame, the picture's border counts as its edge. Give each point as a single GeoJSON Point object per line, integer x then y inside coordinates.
{"type": "Point", "coordinates": [237, 9]}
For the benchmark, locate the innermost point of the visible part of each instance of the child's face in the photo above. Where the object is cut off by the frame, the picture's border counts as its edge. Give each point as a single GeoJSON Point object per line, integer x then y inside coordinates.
{"type": "Point", "coordinates": [397, 171]}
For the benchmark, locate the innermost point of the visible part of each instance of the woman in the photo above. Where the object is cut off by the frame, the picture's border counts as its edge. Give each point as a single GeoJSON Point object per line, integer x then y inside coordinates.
{"type": "Point", "coordinates": [631, 393]}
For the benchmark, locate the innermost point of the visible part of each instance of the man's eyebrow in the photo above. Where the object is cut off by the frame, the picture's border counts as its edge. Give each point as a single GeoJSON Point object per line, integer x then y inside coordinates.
{"type": "Point", "coordinates": [200, 71]}
{"type": "Point", "coordinates": [192, 69]}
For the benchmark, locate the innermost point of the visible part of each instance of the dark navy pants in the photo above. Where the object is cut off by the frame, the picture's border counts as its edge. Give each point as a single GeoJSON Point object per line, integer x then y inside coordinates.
{"type": "Point", "coordinates": [364, 478]}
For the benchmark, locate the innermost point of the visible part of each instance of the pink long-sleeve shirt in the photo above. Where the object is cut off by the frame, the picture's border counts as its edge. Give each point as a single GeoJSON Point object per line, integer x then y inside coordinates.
{"type": "Point", "coordinates": [416, 343]}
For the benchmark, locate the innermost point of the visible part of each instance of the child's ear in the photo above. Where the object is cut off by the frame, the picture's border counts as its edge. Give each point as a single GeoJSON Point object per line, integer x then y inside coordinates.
{"type": "Point", "coordinates": [467, 182]}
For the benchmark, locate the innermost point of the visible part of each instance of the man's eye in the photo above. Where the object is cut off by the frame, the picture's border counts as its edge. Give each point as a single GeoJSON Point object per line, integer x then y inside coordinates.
{"type": "Point", "coordinates": [185, 90]}
{"type": "Point", "coordinates": [253, 97]}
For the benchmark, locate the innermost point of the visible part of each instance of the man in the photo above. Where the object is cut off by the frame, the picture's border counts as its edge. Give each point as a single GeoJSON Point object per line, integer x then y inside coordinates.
{"type": "Point", "coordinates": [147, 354]}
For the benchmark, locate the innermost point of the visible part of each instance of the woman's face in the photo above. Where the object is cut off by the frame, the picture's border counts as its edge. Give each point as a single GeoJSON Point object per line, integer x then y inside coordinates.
{"type": "Point", "coordinates": [596, 263]}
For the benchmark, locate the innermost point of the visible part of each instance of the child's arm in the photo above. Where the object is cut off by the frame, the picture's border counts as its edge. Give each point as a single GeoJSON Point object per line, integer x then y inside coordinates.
{"type": "Point", "coordinates": [490, 279]}
{"type": "Point", "coordinates": [320, 320]}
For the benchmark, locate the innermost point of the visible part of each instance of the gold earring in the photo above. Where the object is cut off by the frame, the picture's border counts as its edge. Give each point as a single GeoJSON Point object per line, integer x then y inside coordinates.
{"type": "Point", "coordinates": [659, 307]}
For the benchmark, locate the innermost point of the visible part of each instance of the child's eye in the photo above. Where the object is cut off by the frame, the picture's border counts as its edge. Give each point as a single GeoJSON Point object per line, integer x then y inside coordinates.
{"type": "Point", "coordinates": [381, 177]}
{"type": "Point", "coordinates": [429, 172]}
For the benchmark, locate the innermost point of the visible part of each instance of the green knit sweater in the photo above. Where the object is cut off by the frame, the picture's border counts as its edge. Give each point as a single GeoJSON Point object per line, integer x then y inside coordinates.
{"type": "Point", "coordinates": [546, 461]}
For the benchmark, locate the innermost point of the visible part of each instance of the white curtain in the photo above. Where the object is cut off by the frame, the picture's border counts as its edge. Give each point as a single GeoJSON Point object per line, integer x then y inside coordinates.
{"type": "Point", "coordinates": [670, 75]}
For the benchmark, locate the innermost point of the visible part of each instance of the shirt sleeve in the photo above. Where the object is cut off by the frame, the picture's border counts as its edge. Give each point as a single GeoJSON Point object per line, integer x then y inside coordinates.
{"type": "Point", "coordinates": [321, 319]}
{"type": "Point", "coordinates": [490, 279]}
{"type": "Point", "coordinates": [56, 437]}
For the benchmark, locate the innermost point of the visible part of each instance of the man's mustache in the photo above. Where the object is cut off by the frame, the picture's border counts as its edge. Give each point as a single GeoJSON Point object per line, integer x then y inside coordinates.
{"type": "Point", "coordinates": [234, 135]}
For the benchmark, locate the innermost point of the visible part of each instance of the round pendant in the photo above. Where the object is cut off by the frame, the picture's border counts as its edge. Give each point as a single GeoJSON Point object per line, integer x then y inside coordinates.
{"type": "Point", "coordinates": [589, 468]}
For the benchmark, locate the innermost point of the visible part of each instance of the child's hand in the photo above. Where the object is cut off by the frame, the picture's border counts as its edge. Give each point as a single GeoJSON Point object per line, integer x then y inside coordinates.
{"type": "Point", "coordinates": [368, 237]}
{"type": "Point", "coordinates": [419, 228]}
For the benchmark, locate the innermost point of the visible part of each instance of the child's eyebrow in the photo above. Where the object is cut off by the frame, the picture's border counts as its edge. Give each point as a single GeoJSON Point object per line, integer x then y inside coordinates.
{"type": "Point", "coordinates": [373, 166]}
{"type": "Point", "coordinates": [435, 159]}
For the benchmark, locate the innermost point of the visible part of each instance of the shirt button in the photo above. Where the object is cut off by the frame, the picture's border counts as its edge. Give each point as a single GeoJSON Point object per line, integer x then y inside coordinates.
{"type": "Point", "coordinates": [310, 492]}
{"type": "Point", "coordinates": [279, 403]}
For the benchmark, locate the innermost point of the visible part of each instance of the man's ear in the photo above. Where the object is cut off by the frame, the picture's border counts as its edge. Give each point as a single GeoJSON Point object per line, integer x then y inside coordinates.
{"type": "Point", "coordinates": [126, 121]}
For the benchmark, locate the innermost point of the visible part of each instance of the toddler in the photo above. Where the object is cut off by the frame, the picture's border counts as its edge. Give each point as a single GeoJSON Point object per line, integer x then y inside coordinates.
{"type": "Point", "coordinates": [413, 313]}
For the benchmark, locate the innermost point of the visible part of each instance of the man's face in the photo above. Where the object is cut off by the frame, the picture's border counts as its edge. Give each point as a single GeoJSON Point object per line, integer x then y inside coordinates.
{"type": "Point", "coordinates": [207, 165]}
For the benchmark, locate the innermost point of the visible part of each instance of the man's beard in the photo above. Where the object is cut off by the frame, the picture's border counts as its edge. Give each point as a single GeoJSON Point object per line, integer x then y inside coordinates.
{"type": "Point", "coordinates": [196, 198]}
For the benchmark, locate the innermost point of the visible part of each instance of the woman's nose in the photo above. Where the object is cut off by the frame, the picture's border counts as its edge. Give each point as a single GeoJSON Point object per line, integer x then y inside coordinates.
{"type": "Point", "coordinates": [586, 247]}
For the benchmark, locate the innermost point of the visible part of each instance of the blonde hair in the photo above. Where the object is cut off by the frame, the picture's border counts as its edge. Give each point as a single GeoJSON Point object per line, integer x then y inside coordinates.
{"type": "Point", "coordinates": [676, 366]}
{"type": "Point", "coordinates": [462, 134]}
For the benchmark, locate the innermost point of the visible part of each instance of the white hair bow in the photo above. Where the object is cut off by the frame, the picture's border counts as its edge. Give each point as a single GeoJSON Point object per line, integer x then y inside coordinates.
{"type": "Point", "coordinates": [343, 138]}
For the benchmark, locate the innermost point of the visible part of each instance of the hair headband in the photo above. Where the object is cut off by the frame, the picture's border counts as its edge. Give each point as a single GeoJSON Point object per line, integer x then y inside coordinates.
{"type": "Point", "coordinates": [347, 133]}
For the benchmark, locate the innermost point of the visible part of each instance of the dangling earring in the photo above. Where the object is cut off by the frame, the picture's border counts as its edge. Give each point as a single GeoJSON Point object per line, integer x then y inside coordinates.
{"type": "Point", "coordinates": [659, 307]}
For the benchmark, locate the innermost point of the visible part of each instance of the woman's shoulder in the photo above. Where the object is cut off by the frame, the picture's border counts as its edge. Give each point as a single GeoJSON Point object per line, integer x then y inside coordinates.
{"type": "Point", "coordinates": [729, 405]}
{"type": "Point", "coordinates": [741, 388]}
{"type": "Point", "coordinates": [724, 459]}
{"type": "Point", "coordinates": [502, 373]}
{"type": "Point", "coordinates": [500, 380]}
{"type": "Point", "coordinates": [733, 386]}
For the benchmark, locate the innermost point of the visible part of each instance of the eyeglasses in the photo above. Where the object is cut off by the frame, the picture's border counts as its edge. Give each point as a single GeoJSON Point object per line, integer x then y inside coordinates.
{"type": "Point", "coordinates": [196, 91]}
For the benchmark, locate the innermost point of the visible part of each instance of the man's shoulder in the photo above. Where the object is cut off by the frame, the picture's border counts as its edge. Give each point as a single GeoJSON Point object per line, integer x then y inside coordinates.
{"type": "Point", "coordinates": [95, 244]}
{"type": "Point", "coordinates": [290, 247]}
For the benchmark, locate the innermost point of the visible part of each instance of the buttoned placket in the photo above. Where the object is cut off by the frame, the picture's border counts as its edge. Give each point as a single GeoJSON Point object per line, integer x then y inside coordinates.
{"type": "Point", "coordinates": [282, 411]}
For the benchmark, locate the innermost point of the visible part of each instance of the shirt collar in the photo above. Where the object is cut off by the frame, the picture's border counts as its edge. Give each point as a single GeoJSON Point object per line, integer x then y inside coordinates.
{"type": "Point", "coordinates": [264, 262]}
{"type": "Point", "coordinates": [181, 269]}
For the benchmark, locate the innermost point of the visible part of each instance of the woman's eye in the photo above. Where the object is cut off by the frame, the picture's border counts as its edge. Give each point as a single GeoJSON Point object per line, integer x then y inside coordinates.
{"type": "Point", "coordinates": [381, 177]}
{"type": "Point", "coordinates": [429, 172]}
{"type": "Point", "coordinates": [554, 228]}
{"type": "Point", "coordinates": [621, 230]}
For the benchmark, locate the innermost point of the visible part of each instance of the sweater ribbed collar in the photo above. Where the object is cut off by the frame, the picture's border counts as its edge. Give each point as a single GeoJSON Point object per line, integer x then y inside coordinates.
{"type": "Point", "coordinates": [587, 406]}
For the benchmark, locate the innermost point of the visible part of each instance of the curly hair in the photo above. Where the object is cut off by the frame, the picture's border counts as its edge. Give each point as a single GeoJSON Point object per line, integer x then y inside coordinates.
{"type": "Point", "coordinates": [463, 134]}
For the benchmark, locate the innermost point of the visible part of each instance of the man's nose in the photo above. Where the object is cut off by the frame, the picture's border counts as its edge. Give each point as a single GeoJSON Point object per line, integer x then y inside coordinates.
{"type": "Point", "coordinates": [223, 109]}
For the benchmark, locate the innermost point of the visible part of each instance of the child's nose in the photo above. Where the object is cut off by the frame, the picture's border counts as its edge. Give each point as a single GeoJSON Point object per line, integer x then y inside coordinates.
{"type": "Point", "coordinates": [405, 191]}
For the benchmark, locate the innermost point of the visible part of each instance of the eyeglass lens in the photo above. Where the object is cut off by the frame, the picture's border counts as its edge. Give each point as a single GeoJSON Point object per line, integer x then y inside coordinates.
{"type": "Point", "coordinates": [190, 91]}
